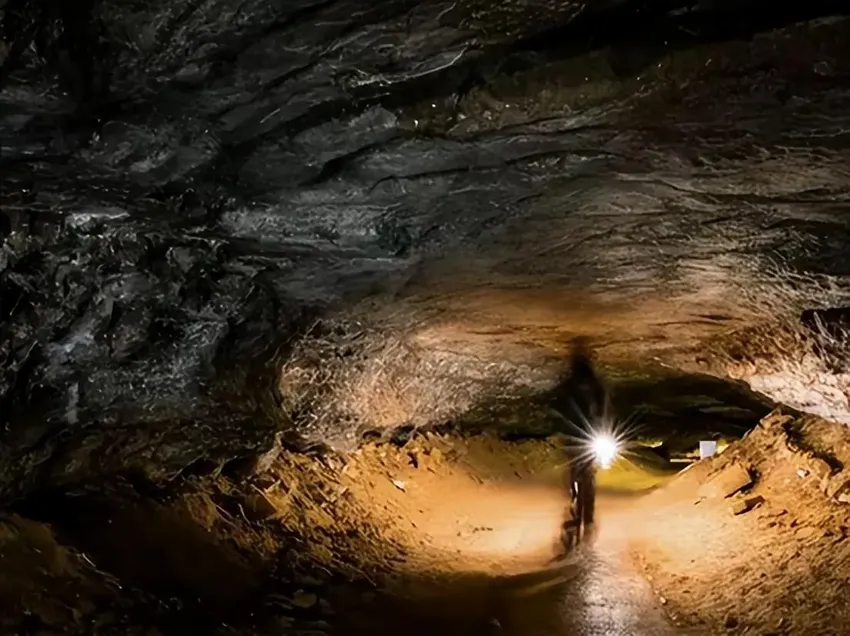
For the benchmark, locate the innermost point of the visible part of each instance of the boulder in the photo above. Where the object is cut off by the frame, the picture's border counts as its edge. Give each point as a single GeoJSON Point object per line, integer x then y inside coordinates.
{"type": "Point", "coordinates": [746, 504]}
{"type": "Point", "coordinates": [727, 482]}
{"type": "Point", "coordinates": [835, 484]}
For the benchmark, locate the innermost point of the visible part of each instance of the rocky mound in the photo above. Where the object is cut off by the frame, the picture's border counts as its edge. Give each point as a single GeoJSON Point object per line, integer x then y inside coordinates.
{"type": "Point", "coordinates": [755, 540]}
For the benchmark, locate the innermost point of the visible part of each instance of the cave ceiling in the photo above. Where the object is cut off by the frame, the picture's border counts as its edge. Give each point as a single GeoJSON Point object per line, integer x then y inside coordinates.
{"type": "Point", "coordinates": [208, 203]}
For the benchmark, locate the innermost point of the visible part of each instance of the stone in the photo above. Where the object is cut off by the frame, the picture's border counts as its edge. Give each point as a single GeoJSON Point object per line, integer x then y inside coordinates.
{"type": "Point", "coordinates": [819, 467]}
{"type": "Point", "coordinates": [745, 504]}
{"type": "Point", "coordinates": [775, 420]}
{"type": "Point", "coordinates": [265, 461]}
{"type": "Point", "coordinates": [727, 482]}
{"type": "Point", "coordinates": [304, 600]}
{"type": "Point", "coordinates": [258, 508]}
{"type": "Point", "coordinates": [834, 484]}
{"type": "Point", "coordinates": [401, 435]}
{"type": "Point", "coordinates": [806, 532]}
{"type": "Point", "coordinates": [838, 489]}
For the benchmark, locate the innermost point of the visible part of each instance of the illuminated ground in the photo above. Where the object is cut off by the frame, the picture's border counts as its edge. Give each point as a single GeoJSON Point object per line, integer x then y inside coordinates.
{"type": "Point", "coordinates": [599, 592]}
{"type": "Point", "coordinates": [486, 532]}
{"type": "Point", "coordinates": [443, 534]}
{"type": "Point", "coordinates": [452, 534]}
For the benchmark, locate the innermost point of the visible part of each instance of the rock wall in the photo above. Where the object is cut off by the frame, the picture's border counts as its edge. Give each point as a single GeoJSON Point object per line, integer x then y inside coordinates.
{"type": "Point", "coordinates": [187, 186]}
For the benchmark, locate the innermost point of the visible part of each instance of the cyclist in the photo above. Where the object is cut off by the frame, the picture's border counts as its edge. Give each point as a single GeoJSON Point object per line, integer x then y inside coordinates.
{"type": "Point", "coordinates": [581, 401]}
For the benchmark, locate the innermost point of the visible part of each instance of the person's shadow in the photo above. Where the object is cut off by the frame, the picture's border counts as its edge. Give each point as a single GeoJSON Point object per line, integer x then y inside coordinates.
{"type": "Point", "coordinates": [546, 601]}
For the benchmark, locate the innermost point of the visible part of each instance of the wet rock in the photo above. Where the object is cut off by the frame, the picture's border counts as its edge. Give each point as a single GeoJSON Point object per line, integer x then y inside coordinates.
{"type": "Point", "coordinates": [285, 187]}
{"type": "Point", "coordinates": [727, 482]}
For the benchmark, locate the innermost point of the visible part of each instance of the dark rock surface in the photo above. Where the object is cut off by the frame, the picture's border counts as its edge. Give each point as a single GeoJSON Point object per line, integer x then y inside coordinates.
{"type": "Point", "coordinates": [454, 186]}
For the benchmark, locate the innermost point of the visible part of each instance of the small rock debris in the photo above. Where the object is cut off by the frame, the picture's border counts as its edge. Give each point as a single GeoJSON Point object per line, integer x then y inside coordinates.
{"type": "Point", "coordinates": [729, 481]}
{"type": "Point", "coordinates": [746, 504]}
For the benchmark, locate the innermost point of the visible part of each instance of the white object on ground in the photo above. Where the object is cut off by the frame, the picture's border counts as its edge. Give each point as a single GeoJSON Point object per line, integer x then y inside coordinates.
{"type": "Point", "coordinates": [707, 449]}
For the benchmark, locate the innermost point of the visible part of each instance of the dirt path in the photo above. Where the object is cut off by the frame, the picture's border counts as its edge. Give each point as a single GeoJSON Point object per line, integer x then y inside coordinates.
{"type": "Point", "coordinates": [599, 593]}
{"type": "Point", "coordinates": [457, 535]}
{"type": "Point", "coordinates": [452, 535]}
{"type": "Point", "coordinates": [480, 539]}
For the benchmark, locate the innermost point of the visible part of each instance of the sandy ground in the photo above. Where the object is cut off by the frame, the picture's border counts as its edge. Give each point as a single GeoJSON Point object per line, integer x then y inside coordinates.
{"type": "Point", "coordinates": [445, 535]}
{"type": "Point", "coordinates": [783, 566]}
{"type": "Point", "coordinates": [458, 529]}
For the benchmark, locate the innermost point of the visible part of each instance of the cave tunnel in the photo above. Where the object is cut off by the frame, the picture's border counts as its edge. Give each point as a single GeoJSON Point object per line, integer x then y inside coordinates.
{"type": "Point", "coordinates": [286, 288]}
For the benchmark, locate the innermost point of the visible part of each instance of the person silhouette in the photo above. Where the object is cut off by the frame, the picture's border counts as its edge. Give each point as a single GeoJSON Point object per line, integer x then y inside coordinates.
{"type": "Point", "coordinates": [581, 402]}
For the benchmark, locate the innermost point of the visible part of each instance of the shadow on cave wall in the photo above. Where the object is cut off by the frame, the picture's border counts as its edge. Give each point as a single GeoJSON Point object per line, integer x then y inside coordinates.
{"type": "Point", "coordinates": [674, 407]}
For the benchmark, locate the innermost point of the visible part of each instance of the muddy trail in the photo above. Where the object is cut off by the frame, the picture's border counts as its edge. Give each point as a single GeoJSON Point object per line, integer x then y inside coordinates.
{"type": "Point", "coordinates": [446, 534]}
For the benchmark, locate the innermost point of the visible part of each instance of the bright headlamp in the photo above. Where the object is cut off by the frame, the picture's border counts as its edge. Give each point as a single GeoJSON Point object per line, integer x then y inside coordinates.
{"type": "Point", "coordinates": [605, 449]}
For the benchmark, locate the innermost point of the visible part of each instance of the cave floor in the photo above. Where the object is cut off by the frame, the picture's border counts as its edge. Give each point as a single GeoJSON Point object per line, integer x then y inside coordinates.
{"type": "Point", "coordinates": [596, 592]}
{"type": "Point", "coordinates": [444, 534]}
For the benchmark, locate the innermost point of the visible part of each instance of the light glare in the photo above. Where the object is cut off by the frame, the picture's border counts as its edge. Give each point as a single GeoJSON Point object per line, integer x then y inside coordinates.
{"type": "Point", "coordinates": [605, 449]}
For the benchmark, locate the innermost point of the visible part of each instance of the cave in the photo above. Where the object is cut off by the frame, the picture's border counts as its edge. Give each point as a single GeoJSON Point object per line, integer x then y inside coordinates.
{"type": "Point", "coordinates": [286, 289]}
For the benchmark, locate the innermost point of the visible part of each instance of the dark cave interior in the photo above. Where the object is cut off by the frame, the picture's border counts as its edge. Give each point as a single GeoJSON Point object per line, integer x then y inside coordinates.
{"type": "Point", "coordinates": [236, 234]}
